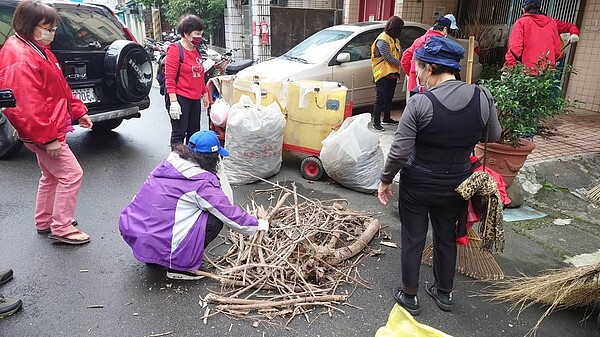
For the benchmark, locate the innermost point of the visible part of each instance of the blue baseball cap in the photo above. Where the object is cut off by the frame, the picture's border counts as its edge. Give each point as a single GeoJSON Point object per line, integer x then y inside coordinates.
{"type": "Point", "coordinates": [442, 51]}
{"type": "Point", "coordinates": [206, 141]}
{"type": "Point", "coordinates": [444, 22]}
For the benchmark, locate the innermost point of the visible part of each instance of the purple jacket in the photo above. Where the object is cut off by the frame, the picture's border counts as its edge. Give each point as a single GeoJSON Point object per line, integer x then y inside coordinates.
{"type": "Point", "coordinates": [166, 221]}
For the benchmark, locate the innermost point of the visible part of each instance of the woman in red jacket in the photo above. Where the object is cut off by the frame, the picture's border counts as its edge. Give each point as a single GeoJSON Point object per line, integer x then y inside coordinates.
{"type": "Point", "coordinates": [533, 37]}
{"type": "Point", "coordinates": [45, 108]}
{"type": "Point", "coordinates": [185, 80]}
{"type": "Point", "coordinates": [440, 28]}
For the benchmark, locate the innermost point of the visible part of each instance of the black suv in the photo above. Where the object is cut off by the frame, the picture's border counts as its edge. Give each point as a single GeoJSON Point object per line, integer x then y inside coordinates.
{"type": "Point", "coordinates": [104, 65]}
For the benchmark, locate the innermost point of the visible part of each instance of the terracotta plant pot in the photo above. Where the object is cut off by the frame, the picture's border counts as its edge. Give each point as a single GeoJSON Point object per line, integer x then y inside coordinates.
{"type": "Point", "coordinates": [505, 159]}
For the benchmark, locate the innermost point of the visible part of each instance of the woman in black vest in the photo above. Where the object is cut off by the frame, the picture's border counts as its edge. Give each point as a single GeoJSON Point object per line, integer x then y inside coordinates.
{"type": "Point", "coordinates": [437, 132]}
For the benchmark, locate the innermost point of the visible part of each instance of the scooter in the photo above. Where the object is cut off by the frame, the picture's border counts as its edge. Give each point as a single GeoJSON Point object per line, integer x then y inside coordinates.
{"type": "Point", "coordinates": [216, 64]}
{"type": "Point", "coordinates": [224, 64]}
{"type": "Point", "coordinates": [153, 48]}
{"type": "Point", "coordinates": [236, 66]}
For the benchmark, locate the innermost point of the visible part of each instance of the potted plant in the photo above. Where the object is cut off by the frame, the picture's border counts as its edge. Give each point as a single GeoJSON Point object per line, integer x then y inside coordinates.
{"type": "Point", "coordinates": [524, 99]}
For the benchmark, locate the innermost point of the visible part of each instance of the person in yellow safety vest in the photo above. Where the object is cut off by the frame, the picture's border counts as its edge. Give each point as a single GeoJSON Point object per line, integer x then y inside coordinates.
{"type": "Point", "coordinates": [385, 64]}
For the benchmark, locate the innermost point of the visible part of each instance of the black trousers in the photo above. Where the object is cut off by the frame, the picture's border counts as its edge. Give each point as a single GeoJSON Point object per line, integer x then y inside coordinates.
{"type": "Point", "coordinates": [189, 123]}
{"type": "Point", "coordinates": [213, 228]}
{"type": "Point", "coordinates": [384, 89]}
{"type": "Point", "coordinates": [416, 208]}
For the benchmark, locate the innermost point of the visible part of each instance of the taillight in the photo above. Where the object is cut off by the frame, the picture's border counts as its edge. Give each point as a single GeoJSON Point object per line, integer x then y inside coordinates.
{"type": "Point", "coordinates": [477, 51]}
{"type": "Point", "coordinates": [128, 33]}
{"type": "Point", "coordinates": [132, 38]}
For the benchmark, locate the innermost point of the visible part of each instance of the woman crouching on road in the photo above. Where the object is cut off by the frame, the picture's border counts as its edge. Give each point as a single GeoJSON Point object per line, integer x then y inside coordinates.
{"type": "Point", "coordinates": [437, 133]}
{"type": "Point", "coordinates": [181, 208]}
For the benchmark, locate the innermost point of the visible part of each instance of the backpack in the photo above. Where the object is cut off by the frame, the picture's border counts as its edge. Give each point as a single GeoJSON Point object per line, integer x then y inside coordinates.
{"type": "Point", "coordinates": [160, 72]}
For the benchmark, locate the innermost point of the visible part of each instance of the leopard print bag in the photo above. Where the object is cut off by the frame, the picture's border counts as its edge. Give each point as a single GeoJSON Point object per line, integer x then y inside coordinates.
{"type": "Point", "coordinates": [481, 185]}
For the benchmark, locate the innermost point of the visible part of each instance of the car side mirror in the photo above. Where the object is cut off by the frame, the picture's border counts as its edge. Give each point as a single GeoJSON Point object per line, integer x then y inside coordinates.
{"type": "Point", "coordinates": [343, 57]}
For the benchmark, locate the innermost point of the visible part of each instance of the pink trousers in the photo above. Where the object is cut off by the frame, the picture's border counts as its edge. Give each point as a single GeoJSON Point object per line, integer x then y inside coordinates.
{"type": "Point", "coordinates": [58, 189]}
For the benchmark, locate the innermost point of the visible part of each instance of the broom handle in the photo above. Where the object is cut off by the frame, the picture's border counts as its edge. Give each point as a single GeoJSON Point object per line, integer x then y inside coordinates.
{"type": "Point", "coordinates": [485, 145]}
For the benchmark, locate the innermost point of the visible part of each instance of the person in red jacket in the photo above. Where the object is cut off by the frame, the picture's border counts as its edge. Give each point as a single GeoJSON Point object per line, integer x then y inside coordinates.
{"type": "Point", "coordinates": [45, 109]}
{"type": "Point", "coordinates": [563, 28]}
{"type": "Point", "coordinates": [534, 36]}
{"type": "Point", "coordinates": [184, 81]}
{"type": "Point", "coordinates": [440, 28]}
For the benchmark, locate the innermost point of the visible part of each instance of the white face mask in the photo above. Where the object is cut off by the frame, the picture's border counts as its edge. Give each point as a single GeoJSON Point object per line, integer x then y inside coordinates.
{"type": "Point", "coordinates": [47, 37]}
{"type": "Point", "coordinates": [420, 87]}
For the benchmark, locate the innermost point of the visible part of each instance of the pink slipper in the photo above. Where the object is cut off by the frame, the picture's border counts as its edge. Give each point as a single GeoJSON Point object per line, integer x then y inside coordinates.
{"type": "Point", "coordinates": [68, 238]}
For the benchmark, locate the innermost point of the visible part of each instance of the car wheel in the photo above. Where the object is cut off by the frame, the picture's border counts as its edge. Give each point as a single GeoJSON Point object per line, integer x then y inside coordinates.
{"type": "Point", "coordinates": [11, 150]}
{"type": "Point", "coordinates": [128, 71]}
{"type": "Point", "coordinates": [106, 126]}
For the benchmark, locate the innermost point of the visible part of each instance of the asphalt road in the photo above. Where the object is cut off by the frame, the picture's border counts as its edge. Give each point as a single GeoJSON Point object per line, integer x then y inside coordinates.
{"type": "Point", "coordinates": [57, 283]}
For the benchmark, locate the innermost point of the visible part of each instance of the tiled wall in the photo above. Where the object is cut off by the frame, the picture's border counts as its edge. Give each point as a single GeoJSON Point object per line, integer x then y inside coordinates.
{"type": "Point", "coordinates": [423, 11]}
{"type": "Point", "coordinates": [351, 8]}
{"type": "Point", "coordinates": [410, 10]}
{"type": "Point", "coordinates": [584, 86]}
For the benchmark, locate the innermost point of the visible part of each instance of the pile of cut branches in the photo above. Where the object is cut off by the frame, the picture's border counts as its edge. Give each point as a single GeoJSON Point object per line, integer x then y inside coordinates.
{"type": "Point", "coordinates": [311, 248]}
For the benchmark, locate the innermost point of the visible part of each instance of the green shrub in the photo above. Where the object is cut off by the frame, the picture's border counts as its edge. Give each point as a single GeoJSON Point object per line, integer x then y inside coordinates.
{"type": "Point", "coordinates": [524, 97]}
{"type": "Point", "coordinates": [490, 71]}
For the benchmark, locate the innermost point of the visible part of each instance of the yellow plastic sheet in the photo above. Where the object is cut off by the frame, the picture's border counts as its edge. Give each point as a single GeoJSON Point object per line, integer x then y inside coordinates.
{"type": "Point", "coordinates": [402, 324]}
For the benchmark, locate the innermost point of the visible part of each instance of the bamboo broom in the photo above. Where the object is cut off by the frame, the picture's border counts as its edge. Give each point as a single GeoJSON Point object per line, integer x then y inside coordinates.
{"type": "Point", "coordinates": [470, 52]}
{"type": "Point", "coordinates": [471, 260]}
{"type": "Point", "coordinates": [594, 195]}
{"type": "Point", "coordinates": [557, 288]}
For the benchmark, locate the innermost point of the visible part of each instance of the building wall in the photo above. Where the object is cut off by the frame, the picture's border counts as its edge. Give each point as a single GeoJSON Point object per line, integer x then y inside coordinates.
{"type": "Point", "coordinates": [423, 11]}
{"type": "Point", "coordinates": [351, 11]}
{"type": "Point", "coordinates": [410, 10]}
{"type": "Point", "coordinates": [584, 86]}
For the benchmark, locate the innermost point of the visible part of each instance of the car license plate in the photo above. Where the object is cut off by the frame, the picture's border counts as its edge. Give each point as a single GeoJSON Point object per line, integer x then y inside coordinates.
{"type": "Point", "coordinates": [87, 95]}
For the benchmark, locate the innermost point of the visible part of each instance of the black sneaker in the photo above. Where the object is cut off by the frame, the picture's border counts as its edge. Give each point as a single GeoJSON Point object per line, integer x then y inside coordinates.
{"type": "Point", "coordinates": [183, 275]}
{"type": "Point", "coordinates": [443, 300]}
{"type": "Point", "coordinates": [9, 306]}
{"type": "Point", "coordinates": [409, 302]}
{"type": "Point", "coordinates": [378, 127]}
{"type": "Point", "coordinates": [389, 122]}
{"type": "Point", "coordinates": [5, 275]}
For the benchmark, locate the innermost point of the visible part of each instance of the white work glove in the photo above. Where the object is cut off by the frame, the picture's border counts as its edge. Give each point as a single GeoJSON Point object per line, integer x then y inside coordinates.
{"type": "Point", "coordinates": [574, 38]}
{"type": "Point", "coordinates": [503, 76]}
{"type": "Point", "coordinates": [175, 110]}
{"type": "Point", "coordinates": [263, 225]}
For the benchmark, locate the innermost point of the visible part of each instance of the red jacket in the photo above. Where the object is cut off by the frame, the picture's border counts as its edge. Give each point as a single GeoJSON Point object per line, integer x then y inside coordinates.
{"type": "Point", "coordinates": [407, 57]}
{"type": "Point", "coordinates": [190, 83]}
{"type": "Point", "coordinates": [45, 103]}
{"type": "Point", "coordinates": [533, 36]}
{"type": "Point", "coordinates": [565, 27]}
